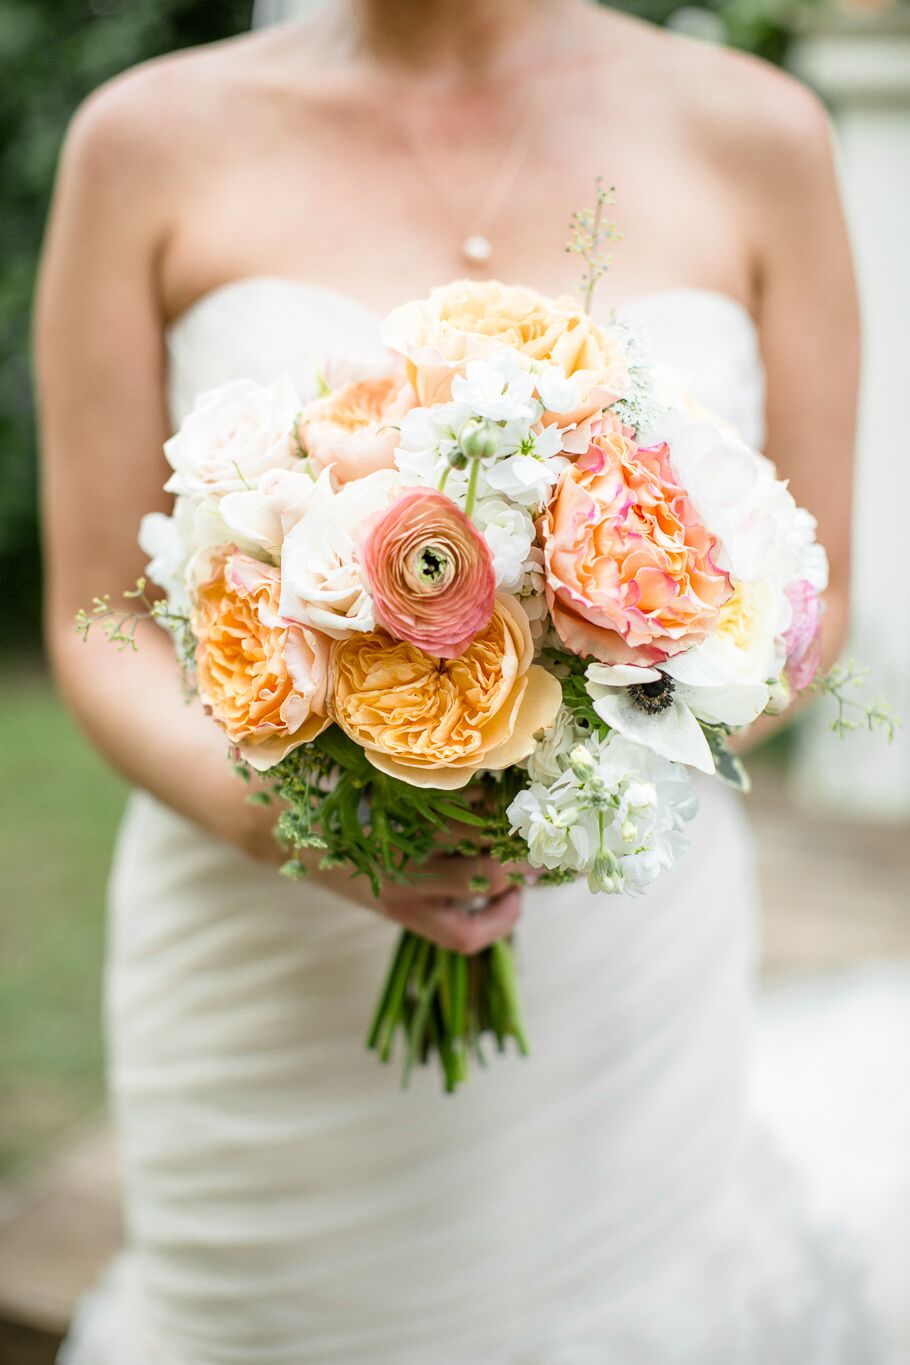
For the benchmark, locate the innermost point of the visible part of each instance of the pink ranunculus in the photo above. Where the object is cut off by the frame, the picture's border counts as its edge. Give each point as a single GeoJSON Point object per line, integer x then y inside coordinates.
{"type": "Point", "coordinates": [355, 429]}
{"type": "Point", "coordinates": [631, 571]}
{"type": "Point", "coordinates": [430, 572]}
{"type": "Point", "coordinates": [803, 636]}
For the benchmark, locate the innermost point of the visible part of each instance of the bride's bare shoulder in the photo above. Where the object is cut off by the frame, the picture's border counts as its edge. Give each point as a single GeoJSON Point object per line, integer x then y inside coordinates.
{"type": "Point", "coordinates": [166, 111]}
{"type": "Point", "coordinates": [736, 105]}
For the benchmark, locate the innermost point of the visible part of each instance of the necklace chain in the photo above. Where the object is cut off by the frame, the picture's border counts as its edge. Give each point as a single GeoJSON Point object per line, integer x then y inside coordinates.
{"type": "Point", "coordinates": [476, 247]}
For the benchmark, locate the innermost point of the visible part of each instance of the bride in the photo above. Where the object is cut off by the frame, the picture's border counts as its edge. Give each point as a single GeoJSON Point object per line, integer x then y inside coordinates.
{"type": "Point", "coordinates": [254, 207]}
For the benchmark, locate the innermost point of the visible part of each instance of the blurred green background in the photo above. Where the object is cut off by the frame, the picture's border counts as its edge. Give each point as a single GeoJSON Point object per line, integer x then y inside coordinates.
{"type": "Point", "coordinates": [58, 804]}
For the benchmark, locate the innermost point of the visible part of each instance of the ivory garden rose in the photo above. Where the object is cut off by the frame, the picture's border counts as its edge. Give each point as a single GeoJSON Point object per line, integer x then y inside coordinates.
{"type": "Point", "coordinates": [631, 571]}
{"type": "Point", "coordinates": [232, 436]}
{"type": "Point", "coordinates": [434, 722]}
{"type": "Point", "coordinates": [263, 679]}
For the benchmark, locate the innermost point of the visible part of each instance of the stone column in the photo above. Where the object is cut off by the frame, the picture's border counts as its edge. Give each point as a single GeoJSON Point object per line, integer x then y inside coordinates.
{"type": "Point", "coordinates": [860, 65]}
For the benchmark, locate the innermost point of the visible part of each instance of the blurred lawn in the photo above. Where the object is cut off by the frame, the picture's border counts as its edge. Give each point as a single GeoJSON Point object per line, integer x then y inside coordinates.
{"type": "Point", "coordinates": [59, 808]}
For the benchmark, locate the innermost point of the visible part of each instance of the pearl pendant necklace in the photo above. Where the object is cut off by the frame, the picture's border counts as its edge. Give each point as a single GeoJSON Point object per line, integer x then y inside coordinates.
{"type": "Point", "coordinates": [477, 249]}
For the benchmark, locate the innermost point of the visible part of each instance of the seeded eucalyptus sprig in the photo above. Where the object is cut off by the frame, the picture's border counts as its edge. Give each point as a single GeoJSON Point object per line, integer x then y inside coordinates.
{"type": "Point", "coordinates": [590, 233]}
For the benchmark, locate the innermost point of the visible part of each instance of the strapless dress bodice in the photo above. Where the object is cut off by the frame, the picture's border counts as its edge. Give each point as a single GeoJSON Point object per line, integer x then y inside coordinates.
{"type": "Point", "coordinates": [260, 327]}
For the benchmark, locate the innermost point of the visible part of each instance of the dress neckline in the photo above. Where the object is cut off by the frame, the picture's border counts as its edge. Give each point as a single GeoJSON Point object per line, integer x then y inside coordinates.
{"type": "Point", "coordinates": [337, 298]}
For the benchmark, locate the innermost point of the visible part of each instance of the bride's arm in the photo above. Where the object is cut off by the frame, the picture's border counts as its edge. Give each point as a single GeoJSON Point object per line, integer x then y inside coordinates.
{"type": "Point", "coordinates": [808, 321]}
{"type": "Point", "coordinates": [100, 365]}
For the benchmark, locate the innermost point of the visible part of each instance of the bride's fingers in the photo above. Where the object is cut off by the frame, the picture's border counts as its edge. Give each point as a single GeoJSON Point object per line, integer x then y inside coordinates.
{"type": "Point", "coordinates": [443, 876]}
{"type": "Point", "coordinates": [452, 927]}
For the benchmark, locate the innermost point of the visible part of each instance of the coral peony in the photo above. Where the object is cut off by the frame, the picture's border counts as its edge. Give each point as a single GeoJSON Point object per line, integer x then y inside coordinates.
{"type": "Point", "coordinates": [430, 572]}
{"type": "Point", "coordinates": [263, 679]}
{"type": "Point", "coordinates": [631, 571]}
{"type": "Point", "coordinates": [435, 723]}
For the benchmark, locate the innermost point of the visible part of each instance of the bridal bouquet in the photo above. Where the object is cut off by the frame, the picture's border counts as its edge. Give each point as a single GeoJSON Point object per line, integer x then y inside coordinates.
{"type": "Point", "coordinates": [500, 599]}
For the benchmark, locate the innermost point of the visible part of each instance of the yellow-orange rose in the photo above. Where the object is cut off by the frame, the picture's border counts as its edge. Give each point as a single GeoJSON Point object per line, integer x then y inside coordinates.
{"type": "Point", "coordinates": [470, 320]}
{"type": "Point", "coordinates": [263, 679]}
{"type": "Point", "coordinates": [355, 429]}
{"type": "Point", "coordinates": [434, 722]}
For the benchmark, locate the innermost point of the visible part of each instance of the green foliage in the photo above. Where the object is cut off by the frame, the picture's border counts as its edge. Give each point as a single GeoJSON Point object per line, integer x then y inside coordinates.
{"type": "Point", "coordinates": [52, 54]}
{"type": "Point", "coordinates": [336, 803]}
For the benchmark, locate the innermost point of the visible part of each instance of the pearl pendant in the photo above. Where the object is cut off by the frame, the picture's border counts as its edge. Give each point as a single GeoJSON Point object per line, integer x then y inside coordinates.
{"type": "Point", "coordinates": [477, 249]}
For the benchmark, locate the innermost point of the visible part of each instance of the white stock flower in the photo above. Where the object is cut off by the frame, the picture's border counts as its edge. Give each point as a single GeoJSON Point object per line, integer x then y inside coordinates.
{"type": "Point", "coordinates": [497, 395]}
{"type": "Point", "coordinates": [549, 759]}
{"type": "Point", "coordinates": [557, 830]}
{"type": "Point", "coordinates": [663, 712]}
{"type": "Point", "coordinates": [618, 814]}
{"type": "Point", "coordinates": [233, 435]}
{"type": "Point", "coordinates": [557, 392]}
{"type": "Point", "coordinates": [500, 389]}
{"type": "Point", "coordinates": [321, 582]}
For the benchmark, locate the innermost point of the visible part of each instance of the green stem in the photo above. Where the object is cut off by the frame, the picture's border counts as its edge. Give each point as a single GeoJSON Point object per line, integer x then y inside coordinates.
{"type": "Point", "coordinates": [503, 964]}
{"type": "Point", "coordinates": [471, 496]}
{"type": "Point", "coordinates": [421, 1013]}
{"type": "Point", "coordinates": [391, 976]}
{"type": "Point", "coordinates": [397, 996]}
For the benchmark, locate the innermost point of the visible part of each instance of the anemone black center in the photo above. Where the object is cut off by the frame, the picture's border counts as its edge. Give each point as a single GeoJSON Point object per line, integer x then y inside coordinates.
{"type": "Point", "coordinates": [653, 697]}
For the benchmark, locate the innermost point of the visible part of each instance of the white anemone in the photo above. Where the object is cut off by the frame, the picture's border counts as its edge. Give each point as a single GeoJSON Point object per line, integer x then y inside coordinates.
{"type": "Point", "coordinates": [653, 708]}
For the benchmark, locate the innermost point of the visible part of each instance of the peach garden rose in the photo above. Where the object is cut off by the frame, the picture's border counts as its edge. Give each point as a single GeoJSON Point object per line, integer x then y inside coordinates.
{"type": "Point", "coordinates": [262, 678]}
{"type": "Point", "coordinates": [470, 320]}
{"type": "Point", "coordinates": [355, 429]}
{"type": "Point", "coordinates": [631, 571]}
{"type": "Point", "coordinates": [433, 722]}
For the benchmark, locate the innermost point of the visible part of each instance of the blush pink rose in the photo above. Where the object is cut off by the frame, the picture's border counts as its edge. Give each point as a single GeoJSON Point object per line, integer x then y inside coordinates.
{"type": "Point", "coordinates": [429, 571]}
{"type": "Point", "coordinates": [355, 429]}
{"type": "Point", "coordinates": [803, 636]}
{"type": "Point", "coordinates": [631, 571]}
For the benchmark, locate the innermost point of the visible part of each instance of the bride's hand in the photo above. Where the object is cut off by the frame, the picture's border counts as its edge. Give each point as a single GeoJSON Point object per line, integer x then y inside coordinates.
{"type": "Point", "coordinates": [439, 903]}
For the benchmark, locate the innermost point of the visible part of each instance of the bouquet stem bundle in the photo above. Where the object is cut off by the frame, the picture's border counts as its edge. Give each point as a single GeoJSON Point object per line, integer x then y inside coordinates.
{"type": "Point", "coordinates": [444, 1004]}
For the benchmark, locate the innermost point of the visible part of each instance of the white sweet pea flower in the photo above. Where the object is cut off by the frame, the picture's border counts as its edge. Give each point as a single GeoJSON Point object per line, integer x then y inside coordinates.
{"type": "Point", "coordinates": [233, 435]}
{"type": "Point", "coordinates": [260, 518]}
{"type": "Point", "coordinates": [655, 709]}
{"type": "Point", "coordinates": [321, 582]}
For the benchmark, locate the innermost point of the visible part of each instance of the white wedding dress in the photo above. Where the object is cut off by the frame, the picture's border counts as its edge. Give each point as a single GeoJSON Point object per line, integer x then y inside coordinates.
{"type": "Point", "coordinates": [600, 1203]}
